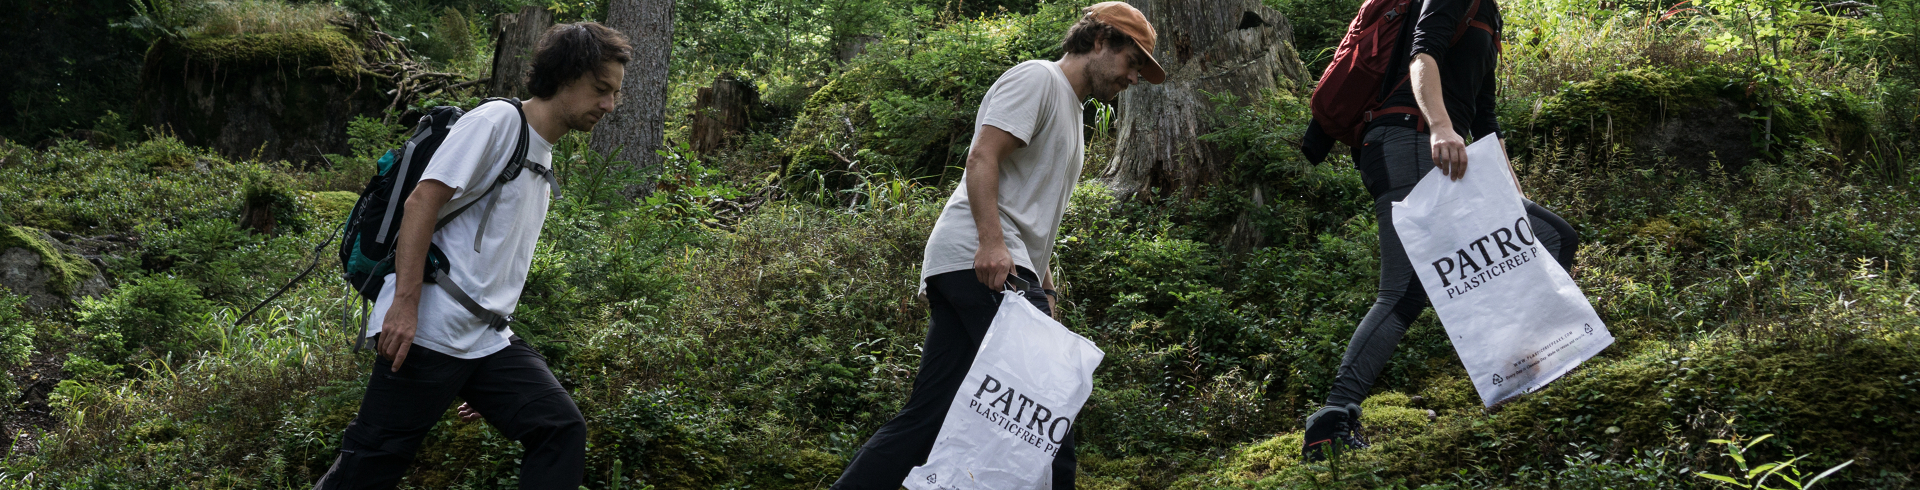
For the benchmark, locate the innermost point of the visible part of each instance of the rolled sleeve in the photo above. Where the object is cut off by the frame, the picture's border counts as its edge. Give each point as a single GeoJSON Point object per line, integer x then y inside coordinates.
{"type": "Point", "coordinates": [1433, 31]}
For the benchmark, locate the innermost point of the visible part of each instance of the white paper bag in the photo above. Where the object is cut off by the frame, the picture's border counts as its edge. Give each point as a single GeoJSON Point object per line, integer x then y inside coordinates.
{"type": "Point", "coordinates": [1021, 396]}
{"type": "Point", "coordinates": [1514, 315]}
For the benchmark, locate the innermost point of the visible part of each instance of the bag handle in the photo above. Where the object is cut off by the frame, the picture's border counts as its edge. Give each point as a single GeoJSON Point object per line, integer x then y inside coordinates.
{"type": "Point", "coordinates": [1011, 279]}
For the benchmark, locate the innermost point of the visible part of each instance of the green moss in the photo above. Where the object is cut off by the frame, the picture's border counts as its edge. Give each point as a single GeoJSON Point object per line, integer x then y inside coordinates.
{"type": "Point", "coordinates": [1391, 413]}
{"type": "Point", "coordinates": [65, 270]}
{"type": "Point", "coordinates": [329, 207]}
{"type": "Point", "coordinates": [1616, 106]}
{"type": "Point", "coordinates": [1622, 103]}
{"type": "Point", "coordinates": [326, 50]}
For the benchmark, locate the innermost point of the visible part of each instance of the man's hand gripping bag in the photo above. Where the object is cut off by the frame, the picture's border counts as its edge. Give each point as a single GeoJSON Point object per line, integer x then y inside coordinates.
{"type": "Point", "coordinates": [1021, 397]}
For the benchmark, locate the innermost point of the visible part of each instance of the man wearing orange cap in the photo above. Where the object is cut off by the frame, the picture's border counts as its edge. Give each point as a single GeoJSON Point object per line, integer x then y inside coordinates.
{"type": "Point", "coordinates": [1026, 156]}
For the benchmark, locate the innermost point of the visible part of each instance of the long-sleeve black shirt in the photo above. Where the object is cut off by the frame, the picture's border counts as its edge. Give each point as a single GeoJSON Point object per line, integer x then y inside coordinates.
{"type": "Point", "coordinates": [1466, 68]}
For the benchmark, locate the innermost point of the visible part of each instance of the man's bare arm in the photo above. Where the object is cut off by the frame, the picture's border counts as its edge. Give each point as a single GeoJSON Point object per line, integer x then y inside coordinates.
{"type": "Point", "coordinates": [409, 264]}
{"type": "Point", "coordinates": [993, 261]}
{"type": "Point", "coordinates": [1449, 150]}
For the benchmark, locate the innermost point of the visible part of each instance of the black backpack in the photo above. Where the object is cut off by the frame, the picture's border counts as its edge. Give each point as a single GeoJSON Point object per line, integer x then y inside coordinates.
{"type": "Point", "coordinates": [366, 248]}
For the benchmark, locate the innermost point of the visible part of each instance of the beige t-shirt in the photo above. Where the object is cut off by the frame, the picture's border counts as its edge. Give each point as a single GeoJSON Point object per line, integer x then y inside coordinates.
{"type": "Point", "coordinates": [1034, 102]}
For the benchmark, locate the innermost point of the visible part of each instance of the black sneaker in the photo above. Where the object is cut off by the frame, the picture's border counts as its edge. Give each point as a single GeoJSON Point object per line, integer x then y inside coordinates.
{"type": "Point", "coordinates": [1332, 430]}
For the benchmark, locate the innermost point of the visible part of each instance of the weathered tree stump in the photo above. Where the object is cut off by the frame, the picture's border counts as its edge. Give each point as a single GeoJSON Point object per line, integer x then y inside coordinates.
{"type": "Point", "coordinates": [1237, 47]}
{"type": "Point", "coordinates": [515, 37]}
{"type": "Point", "coordinates": [720, 111]}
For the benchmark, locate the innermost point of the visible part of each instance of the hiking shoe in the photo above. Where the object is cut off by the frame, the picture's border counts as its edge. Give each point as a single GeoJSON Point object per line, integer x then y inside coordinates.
{"type": "Point", "coordinates": [1332, 431]}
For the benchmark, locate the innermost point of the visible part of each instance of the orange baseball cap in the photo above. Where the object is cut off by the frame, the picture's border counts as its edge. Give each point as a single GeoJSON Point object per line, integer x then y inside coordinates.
{"type": "Point", "coordinates": [1131, 22]}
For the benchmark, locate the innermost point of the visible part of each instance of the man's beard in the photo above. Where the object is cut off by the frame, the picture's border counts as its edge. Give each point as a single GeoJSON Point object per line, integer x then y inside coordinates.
{"type": "Point", "coordinates": [1106, 90]}
{"type": "Point", "coordinates": [585, 122]}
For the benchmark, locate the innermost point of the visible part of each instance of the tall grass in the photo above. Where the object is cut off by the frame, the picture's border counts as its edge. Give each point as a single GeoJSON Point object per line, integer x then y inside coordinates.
{"type": "Point", "coordinates": [237, 17]}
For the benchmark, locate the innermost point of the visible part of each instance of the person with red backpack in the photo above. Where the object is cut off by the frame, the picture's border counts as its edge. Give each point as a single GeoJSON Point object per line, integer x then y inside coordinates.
{"type": "Point", "coordinates": [1409, 85]}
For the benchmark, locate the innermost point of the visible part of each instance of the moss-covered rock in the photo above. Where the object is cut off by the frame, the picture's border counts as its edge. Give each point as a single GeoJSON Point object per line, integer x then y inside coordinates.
{"type": "Point", "coordinates": [275, 96]}
{"type": "Point", "coordinates": [1695, 117]}
{"type": "Point", "coordinates": [32, 265]}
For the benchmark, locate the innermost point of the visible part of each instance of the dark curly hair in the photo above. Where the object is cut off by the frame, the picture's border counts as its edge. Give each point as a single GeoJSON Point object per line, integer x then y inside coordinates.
{"type": "Point", "coordinates": [1082, 36]}
{"type": "Point", "coordinates": [568, 51]}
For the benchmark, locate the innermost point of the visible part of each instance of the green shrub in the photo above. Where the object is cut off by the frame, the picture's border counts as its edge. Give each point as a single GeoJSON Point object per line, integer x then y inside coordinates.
{"type": "Point", "coordinates": [16, 341]}
{"type": "Point", "coordinates": [154, 315]}
{"type": "Point", "coordinates": [203, 253]}
{"type": "Point", "coordinates": [906, 107]}
{"type": "Point", "coordinates": [16, 333]}
{"type": "Point", "coordinates": [1318, 26]}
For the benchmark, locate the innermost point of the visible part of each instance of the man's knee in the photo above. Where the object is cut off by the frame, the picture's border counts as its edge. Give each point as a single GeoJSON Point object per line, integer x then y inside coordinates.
{"type": "Point", "coordinates": [551, 418]}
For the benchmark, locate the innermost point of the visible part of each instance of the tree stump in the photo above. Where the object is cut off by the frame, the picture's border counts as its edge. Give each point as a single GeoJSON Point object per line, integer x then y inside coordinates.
{"type": "Point", "coordinates": [720, 111]}
{"type": "Point", "coordinates": [515, 37]}
{"type": "Point", "coordinates": [634, 127]}
{"type": "Point", "coordinates": [1237, 47]}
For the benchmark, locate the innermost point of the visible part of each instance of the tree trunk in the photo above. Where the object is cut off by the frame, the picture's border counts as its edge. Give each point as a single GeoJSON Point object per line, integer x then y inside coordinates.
{"type": "Point", "coordinates": [1234, 47]}
{"type": "Point", "coordinates": [515, 36]}
{"type": "Point", "coordinates": [720, 111]}
{"type": "Point", "coordinates": [634, 128]}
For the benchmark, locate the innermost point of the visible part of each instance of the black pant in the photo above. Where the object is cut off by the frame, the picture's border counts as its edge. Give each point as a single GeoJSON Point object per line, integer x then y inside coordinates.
{"type": "Point", "coordinates": [962, 310]}
{"type": "Point", "coordinates": [512, 388]}
{"type": "Point", "coordinates": [1392, 160]}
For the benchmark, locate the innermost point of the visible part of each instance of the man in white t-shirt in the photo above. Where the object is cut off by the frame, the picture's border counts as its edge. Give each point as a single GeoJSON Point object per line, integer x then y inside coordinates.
{"type": "Point", "coordinates": [1025, 159]}
{"type": "Point", "coordinates": [432, 348]}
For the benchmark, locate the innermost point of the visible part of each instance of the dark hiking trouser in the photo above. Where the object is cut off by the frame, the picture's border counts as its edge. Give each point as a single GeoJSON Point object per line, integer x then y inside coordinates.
{"type": "Point", "coordinates": [512, 388]}
{"type": "Point", "coordinates": [963, 308]}
{"type": "Point", "coordinates": [1392, 160]}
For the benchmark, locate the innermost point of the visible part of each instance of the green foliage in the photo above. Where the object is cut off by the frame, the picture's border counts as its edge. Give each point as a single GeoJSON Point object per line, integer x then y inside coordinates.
{"type": "Point", "coordinates": [223, 262]}
{"type": "Point", "coordinates": [1756, 476]}
{"type": "Point", "coordinates": [16, 341]}
{"type": "Point", "coordinates": [16, 334]}
{"type": "Point", "coordinates": [176, 20]}
{"type": "Point", "coordinates": [906, 107]}
{"type": "Point", "coordinates": [153, 20]}
{"type": "Point", "coordinates": [686, 188]}
{"type": "Point", "coordinates": [155, 313]}
{"type": "Point", "coordinates": [1318, 26]}
{"type": "Point", "coordinates": [451, 39]}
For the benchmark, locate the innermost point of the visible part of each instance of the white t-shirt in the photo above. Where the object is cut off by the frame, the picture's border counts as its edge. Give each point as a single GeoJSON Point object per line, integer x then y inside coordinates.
{"type": "Point", "coordinates": [1034, 102]}
{"type": "Point", "coordinates": [471, 157]}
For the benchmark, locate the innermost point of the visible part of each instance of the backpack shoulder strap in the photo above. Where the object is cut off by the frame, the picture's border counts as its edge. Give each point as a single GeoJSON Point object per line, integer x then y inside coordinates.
{"type": "Point", "coordinates": [493, 320]}
{"type": "Point", "coordinates": [1473, 10]}
{"type": "Point", "coordinates": [512, 168]}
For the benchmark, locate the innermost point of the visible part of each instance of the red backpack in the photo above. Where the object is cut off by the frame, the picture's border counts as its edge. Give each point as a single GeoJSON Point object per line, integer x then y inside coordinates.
{"type": "Point", "coordinates": [1356, 82]}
